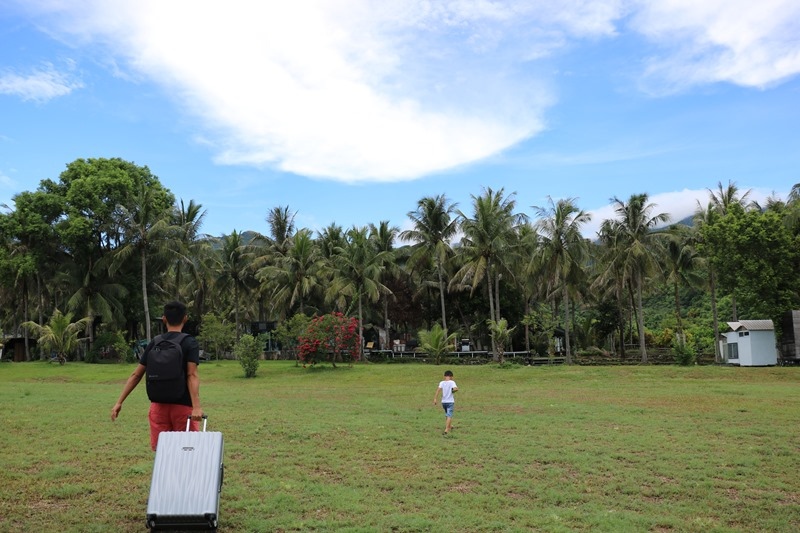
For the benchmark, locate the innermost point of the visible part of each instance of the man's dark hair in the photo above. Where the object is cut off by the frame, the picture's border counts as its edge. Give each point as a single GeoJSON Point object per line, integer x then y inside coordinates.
{"type": "Point", "coordinates": [174, 312]}
{"type": "Point", "coordinates": [448, 373]}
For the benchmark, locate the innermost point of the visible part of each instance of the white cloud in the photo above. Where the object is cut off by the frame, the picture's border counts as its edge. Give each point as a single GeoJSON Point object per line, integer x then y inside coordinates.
{"type": "Point", "coordinates": [381, 90]}
{"type": "Point", "coordinates": [354, 90]}
{"type": "Point", "coordinates": [677, 204]}
{"type": "Point", "coordinates": [6, 182]}
{"type": "Point", "coordinates": [40, 85]}
{"type": "Point", "coordinates": [753, 44]}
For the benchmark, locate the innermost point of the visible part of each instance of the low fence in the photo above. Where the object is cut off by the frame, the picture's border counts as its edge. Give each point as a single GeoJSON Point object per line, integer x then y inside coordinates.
{"type": "Point", "coordinates": [476, 357]}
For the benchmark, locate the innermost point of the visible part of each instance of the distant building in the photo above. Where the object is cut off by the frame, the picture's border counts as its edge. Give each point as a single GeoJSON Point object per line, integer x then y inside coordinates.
{"type": "Point", "coordinates": [749, 343]}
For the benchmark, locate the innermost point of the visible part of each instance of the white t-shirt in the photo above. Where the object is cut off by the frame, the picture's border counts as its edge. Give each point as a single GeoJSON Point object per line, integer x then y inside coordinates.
{"type": "Point", "coordinates": [447, 387]}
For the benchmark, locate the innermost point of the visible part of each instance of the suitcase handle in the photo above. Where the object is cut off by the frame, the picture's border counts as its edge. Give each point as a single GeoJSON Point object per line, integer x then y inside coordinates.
{"type": "Point", "coordinates": [189, 420]}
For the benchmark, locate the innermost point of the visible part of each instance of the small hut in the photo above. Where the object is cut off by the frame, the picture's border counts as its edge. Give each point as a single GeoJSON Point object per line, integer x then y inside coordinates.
{"type": "Point", "coordinates": [750, 343]}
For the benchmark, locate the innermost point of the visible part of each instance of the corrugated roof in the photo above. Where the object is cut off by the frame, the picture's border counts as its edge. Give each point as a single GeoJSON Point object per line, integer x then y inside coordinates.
{"type": "Point", "coordinates": [752, 325]}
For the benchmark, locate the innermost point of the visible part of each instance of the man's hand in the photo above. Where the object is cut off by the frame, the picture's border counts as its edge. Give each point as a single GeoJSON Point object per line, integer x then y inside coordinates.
{"type": "Point", "coordinates": [197, 414]}
{"type": "Point", "coordinates": [115, 411]}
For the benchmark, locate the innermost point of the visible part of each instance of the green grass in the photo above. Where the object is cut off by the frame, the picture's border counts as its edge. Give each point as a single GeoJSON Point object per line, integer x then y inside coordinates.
{"type": "Point", "coordinates": [361, 448]}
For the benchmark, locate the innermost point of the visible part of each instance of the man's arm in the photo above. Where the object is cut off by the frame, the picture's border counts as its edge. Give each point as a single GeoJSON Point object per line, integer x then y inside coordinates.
{"type": "Point", "coordinates": [193, 382]}
{"type": "Point", "coordinates": [133, 380]}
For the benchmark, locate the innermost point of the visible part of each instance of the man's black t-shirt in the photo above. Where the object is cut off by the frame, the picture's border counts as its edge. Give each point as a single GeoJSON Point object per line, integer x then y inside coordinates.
{"type": "Point", "coordinates": [191, 354]}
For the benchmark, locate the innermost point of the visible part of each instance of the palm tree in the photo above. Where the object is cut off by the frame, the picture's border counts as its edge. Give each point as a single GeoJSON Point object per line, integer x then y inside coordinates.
{"type": "Point", "coordinates": [681, 266]}
{"type": "Point", "coordinates": [281, 228]}
{"type": "Point", "coordinates": [296, 275]}
{"type": "Point", "coordinates": [724, 197]}
{"type": "Point", "coordinates": [433, 227]}
{"type": "Point", "coordinates": [436, 342]}
{"type": "Point", "coordinates": [232, 270]}
{"type": "Point", "coordinates": [721, 201]}
{"type": "Point", "coordinates": [148, 230]}
{"type": "Point", "coordinates": [489, 236]}
{"type": "Point", "coordinates": [60, 335]}
{"type": "Point", "coordinates": [636, 241]}
{"type": "Point", "coordinates": [501, 335]}
{"type": "Point", "coordinates": [358, 266]}
{"type": "Point", "coordinates": [702, 217]}
{"type": "Point", "coordinates": [383, 237]}
{"type": "Point", "coordinates": [96, 295]}
{"type": "Point", "coordinates": [563, 250]}
{"type": "Point", "coordinates": [188, 219]}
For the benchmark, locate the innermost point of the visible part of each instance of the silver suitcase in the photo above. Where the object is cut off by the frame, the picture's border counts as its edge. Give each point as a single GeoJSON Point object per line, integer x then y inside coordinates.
{"type": "Point", "coordinates": [187, 480]}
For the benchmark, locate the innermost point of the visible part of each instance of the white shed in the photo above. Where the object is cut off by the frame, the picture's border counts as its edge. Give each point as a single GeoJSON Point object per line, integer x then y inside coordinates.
{"type": "Point", "coordinates": [750, 343]}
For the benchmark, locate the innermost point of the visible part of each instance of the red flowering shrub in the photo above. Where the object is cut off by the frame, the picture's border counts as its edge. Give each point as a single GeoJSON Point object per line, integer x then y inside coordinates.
{"type": "Point", "coordinates": [329, 338]}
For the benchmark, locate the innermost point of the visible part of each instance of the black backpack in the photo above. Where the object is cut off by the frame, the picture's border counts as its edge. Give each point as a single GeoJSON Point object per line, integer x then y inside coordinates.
{"type": "Point", "coordinates": [166, 370]}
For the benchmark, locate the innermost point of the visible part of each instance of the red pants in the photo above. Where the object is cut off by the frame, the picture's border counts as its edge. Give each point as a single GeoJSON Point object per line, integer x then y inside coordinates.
{"type": "Point", "coordinates": [169, 417]}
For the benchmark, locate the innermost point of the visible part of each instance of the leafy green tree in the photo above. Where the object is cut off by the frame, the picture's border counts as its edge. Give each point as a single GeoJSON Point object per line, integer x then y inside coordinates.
{"type": "Point", "coordinates": [290, 330]}
{"type": "Point", "coordinates": [217, 334]}
{"type": "Point", "coordinates": [436, 342]}
{"type": "Point", "coordinates": [543, 324]}
{"type": "Point", "coordinates": [92, 224]}
{"type": "Point", "coordinates": [60, 335]}
{"type": "Point", "coordinates": [248, 350]}
{"type": "Point", "coordinates": [756, 258]}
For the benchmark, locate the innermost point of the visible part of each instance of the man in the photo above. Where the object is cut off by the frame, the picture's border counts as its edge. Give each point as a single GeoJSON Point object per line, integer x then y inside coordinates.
{"type": "Point", "coordinates": [185, 397]}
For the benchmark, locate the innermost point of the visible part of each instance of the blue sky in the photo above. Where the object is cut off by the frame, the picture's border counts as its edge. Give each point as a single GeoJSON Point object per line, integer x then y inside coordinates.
{"type": "Point", "coordinates": [350, 111]}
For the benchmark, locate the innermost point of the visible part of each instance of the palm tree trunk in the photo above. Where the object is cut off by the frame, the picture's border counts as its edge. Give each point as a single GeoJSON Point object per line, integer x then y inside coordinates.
{"type": "Point", "coordinates": [715, 318]}
{"type": "Point", "coordinates": [144, 295]}
{"type": "Point", "coordinates": [678, 309]}
{"type": "Point", "coordinates": [640, 317]}
{"type": "Point", "coordinates": [25, 316]}
{"type": "Point", "coordinates": [441, 298]}
{"type": "Point", "coordinates": [491, 309]}
{"type": "Point", "coordinates": [497, 296]}
{"type": "Point", "coordinates": [360, 331]}
{"type": "Point", "coordinates": [566, 324]}
{"type": "Point", "coordinates": [236, 307]}
{"type": "Point", "coordinates": [386, 322]}
{"type": "Point", "coordinates": [527, 328]}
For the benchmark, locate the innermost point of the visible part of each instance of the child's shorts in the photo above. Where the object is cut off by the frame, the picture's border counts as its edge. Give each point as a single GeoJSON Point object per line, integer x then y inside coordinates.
{"type": "Point", "coordinates": [448, 409]}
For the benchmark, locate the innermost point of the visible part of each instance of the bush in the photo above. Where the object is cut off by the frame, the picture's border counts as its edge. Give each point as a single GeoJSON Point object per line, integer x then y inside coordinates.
{"type": "Point", "coordinates": [332, 337]}
{"type": "Point", "coordinates": [684, 352]}
{"type": "Point", "coordinates": [110, 345]}
{"type": "Point", "coordinates": [248, 351]}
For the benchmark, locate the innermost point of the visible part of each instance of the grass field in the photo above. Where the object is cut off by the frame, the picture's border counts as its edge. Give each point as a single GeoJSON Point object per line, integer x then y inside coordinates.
{"type": "Point", "coordinates": [361, 449]}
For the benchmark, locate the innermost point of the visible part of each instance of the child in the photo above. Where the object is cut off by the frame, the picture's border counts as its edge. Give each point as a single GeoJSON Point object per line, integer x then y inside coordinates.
{"type": "Point", "coordinates": [447, 387]}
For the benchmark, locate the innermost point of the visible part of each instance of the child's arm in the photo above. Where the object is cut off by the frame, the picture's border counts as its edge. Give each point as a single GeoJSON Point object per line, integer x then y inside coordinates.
{"type": "Point", "coordinates": [436, 395]}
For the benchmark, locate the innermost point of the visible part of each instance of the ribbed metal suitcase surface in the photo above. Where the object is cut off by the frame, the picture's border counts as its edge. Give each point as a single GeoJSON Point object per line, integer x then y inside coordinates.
{"type": "Point", "coordinates": [187, 479]}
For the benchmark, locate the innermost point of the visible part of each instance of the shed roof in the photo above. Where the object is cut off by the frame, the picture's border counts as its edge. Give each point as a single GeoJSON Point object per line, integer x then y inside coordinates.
{"type": "Point", "coordinates": [752, 325]}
